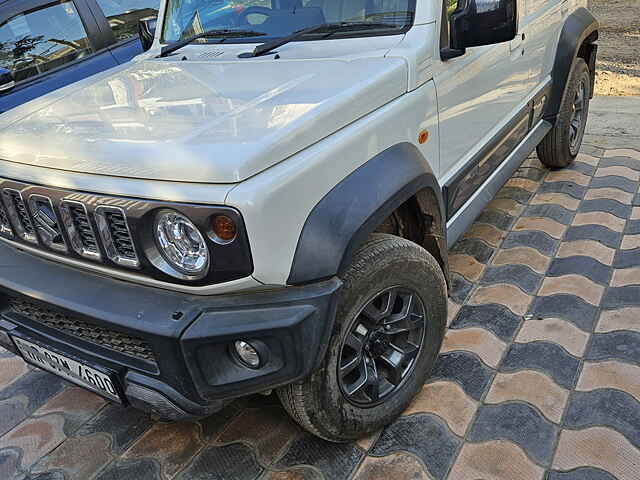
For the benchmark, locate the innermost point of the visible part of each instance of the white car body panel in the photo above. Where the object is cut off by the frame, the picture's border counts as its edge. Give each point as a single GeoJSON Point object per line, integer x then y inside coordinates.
{"type": "Point", "coordinates": [198, 121]}
{"type": "Point", "coordinates": [276, 204]}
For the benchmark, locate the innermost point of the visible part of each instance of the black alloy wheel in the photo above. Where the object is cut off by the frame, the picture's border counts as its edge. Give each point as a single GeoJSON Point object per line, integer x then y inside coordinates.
{"type": "Point", "coordinates": [379, 351]}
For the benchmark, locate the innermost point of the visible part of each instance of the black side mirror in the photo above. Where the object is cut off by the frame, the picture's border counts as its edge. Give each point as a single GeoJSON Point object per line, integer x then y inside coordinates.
{"type": "Point", "coordinates": [7, 82]}
{"type": "Point", "coordinates": [147, 31]}
{"type": "Point", "coordinates": [482, 22]}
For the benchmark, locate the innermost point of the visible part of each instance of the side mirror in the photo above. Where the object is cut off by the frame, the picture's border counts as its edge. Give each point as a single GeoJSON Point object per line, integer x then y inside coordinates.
{"type": "Point", "coordinates": [7, 82]}
{"type": "Point", "coordinates": [482, 22]}
{"type": "Point", "coordinates": [147, 31]}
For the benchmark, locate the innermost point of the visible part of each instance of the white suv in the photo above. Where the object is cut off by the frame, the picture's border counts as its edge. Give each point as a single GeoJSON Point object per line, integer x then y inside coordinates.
{"type": "Point", "coordinates": [265, 198]}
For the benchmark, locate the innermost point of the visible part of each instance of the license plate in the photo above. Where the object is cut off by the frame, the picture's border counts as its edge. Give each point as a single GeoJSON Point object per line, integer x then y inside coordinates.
{"type": "Point", "coordinates": [71, 370]}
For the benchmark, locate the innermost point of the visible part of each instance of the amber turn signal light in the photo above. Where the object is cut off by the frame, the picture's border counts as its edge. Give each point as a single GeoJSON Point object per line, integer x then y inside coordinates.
{"type": "Point", "coordinates": [224, 228]}
{"type": "Point", "coordinates": [423, 136]}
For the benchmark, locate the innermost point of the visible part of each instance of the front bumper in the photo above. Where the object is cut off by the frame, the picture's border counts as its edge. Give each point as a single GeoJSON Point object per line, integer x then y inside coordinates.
{"type": "Point", "coordinates": [170, 351]}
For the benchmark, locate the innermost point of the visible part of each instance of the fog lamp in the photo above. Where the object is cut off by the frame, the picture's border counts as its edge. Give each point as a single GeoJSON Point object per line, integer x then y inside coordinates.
{"type": "Point", "coordinates": [247, 354]}
{"type": "Point", "coordinates": [181, 243]}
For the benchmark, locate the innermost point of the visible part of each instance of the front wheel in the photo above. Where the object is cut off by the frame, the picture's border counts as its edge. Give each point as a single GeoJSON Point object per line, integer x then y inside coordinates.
{"type": "Point", "coordinates": [561, 145]}
{"type": "Point", "coordinates": [389, 327]}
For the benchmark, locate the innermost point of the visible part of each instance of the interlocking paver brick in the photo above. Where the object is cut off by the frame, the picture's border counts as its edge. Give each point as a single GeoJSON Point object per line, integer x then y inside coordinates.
{"type": "Point", "coordinates": [599, 233]}
{"type": "Point", "coordinates": [519, 423]}
{"type": "Point", "coordinates": [566, 201]}
{"type": "Point", "coordinates": [530, 386]}
{"type": "Point", "coordinates": [599, 447]}
{"type": "Point", "coordinates": [78, 458]}
{"type": "Point", "coordinates": [619, 319]}
{"type": "Point", "coordinates": [504, 294]}
{"type": "Point", "coordinates": [546, 357]}
{"type": "Point", "coordinates": [548, 225]}
{"type": "Point", "coordinates": [609, 193]}
{"type": "Point", "coordinates": [268, 430]}
{"type": "Point", "coordinates": [568, 307]}
{"type": "Point", "coordinates": [424, 435]}
{"type": "Point", "coordinates": [448, 401]}
{"type": "Point", "coordinates": [608, 220]}
{"type": "Point", "coordinates": [495, 318]}
{"type": "Point", "coordinates": [574, 285]}
{"type": "Point", "coordinates": [477, 340]}
{"type": "Point", "coordinates": [610, 374]}
{"type": "Point", "coordinates": [396, 465]}
{"type": "Point", "coordinates": [170, 445]}
{"type": "Point", "coordinates": [466, 265]}
{"type": "Point", "coordinates": [525, 256]}
{"type": "Point", "coordinates": [581, 265]}
{"type": "Point", "coordinates": [466, 369]}
{"type": "Point", "coordinates": [520, 275]}
{"type": "Point", "coordinates": [489, 233]}
{"type": "Point", "coordinates": [494, 460]}
{"type": "Point", "coordinates": [551, 211]}
{"type": "Point", "coordinates": [556, 330]}
{"type": "Point", "coordinates": [588, 248]}
{"type": "Point", "coordinates": [618, 345]}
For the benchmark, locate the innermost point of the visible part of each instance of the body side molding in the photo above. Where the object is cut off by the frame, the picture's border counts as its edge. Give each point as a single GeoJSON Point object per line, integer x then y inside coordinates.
{"type": "Point", "coordinates": [466, 215]}
{"type": "Point", "coordinates": [352, 210]}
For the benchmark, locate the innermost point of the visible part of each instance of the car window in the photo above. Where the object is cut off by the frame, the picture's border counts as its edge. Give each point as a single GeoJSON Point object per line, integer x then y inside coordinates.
{"type": "Point", "coordinates": [42, 39]}
{"type": "Point", "coordinates": [123, 15]}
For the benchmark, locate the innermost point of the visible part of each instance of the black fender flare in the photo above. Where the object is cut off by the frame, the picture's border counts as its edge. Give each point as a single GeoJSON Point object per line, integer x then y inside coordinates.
{"type": "Point", "coordinates": [345, 217]}
{"type": "Point", "coordinates": [579, 26]}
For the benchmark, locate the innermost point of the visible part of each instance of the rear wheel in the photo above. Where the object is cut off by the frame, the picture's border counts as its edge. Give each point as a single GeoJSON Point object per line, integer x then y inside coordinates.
{"type": "Point", "coordinates": [389, 327]}
{"type": "Point", "coordinates": [561, 145]}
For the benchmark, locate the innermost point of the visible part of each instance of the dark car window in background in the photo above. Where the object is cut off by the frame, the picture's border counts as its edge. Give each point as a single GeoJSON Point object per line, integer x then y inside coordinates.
{"type": "Point", "coordinates": [123, 15]}
{"type": "Point", "coordinates": [42, 39]}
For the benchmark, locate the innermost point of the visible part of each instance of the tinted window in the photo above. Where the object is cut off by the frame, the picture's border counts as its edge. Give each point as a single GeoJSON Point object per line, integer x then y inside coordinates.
{"type": "Point", "coordinates": [123, 15]}
{"type": "Point", "coordinates": [41, 39]}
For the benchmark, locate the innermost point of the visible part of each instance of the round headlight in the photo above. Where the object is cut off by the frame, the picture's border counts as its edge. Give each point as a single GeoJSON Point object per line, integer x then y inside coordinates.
{"type": "Point", "coordinates": [181, 243]}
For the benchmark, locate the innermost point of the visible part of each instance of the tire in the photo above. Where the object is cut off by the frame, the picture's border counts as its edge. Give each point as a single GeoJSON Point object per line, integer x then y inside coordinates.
{"type": "Point", "coordinates": [561, 145]}
{"type": "Point", "coordinates": [384, 267]}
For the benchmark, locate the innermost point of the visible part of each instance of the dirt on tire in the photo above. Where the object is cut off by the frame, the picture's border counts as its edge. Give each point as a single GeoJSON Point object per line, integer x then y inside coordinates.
{"type": "Point", "coordinates": [618, 69]}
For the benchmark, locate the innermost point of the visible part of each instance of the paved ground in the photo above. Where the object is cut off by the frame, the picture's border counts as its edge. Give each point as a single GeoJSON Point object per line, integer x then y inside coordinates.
{"type": "Point", "coordinates": [538, 377]}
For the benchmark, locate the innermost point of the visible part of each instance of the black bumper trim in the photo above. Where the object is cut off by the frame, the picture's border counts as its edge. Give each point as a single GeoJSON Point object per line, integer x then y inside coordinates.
{"type": "Point", "coordinates": [196, 373]}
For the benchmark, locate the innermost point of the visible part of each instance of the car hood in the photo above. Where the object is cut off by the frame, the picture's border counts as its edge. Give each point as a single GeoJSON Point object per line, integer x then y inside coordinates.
{"type": "Point", "coordinates": [198, 121]}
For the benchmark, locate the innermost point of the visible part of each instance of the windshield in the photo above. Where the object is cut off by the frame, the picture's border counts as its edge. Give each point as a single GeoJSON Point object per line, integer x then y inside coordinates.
{"type": "Point", "coordinates": [278, 18]}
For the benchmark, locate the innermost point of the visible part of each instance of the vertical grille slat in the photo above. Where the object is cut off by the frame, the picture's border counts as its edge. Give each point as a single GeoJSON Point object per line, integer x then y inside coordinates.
{"type": "Point", "coordinates": [19, 216]}
{"type": "Point", "coordinates": [116, 236]}
{"type": "Point", "coordinates": [5, 223]}
{"type": "Point", "coordinates": [79, 229]}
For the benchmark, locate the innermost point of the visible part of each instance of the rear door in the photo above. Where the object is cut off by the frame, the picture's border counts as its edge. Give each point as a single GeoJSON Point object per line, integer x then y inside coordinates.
{"type": "Point", "coordinates": [118, 19]}
{"type": "Point", "coordinates": [48, 45]}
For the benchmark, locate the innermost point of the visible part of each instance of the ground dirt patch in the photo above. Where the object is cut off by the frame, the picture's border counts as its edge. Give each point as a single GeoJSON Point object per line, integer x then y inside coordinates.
{"type": "Point", "coordinates": [618, 70]}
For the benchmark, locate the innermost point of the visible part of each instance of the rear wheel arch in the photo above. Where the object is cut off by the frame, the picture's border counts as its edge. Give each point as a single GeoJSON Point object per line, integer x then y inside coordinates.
{"type": "Point", "coordinates": [577, 38]}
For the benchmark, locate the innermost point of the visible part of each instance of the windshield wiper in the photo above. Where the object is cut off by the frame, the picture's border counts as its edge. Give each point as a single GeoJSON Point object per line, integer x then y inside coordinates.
{"type": "Point", "coordinates": [227, 32]}
{"type": "Point", "coordinates": [331, 28]}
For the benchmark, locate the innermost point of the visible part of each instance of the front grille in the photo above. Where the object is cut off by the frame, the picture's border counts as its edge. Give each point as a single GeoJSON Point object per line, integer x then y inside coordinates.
{"type": "Point", "coordinates": [117, 341]}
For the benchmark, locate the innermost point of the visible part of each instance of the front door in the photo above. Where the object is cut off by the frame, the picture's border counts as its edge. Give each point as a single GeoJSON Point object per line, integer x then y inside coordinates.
{"type": "Point", "coordinates": [481, 113]}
